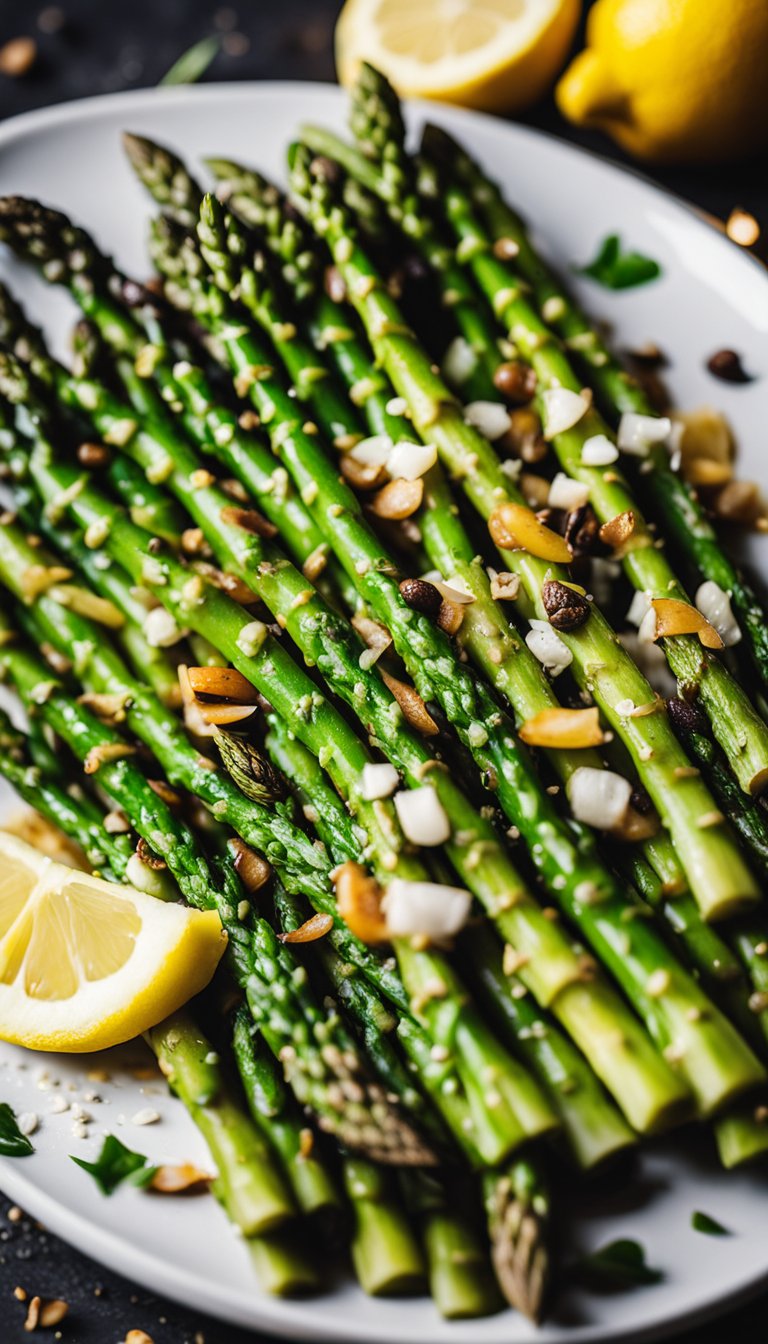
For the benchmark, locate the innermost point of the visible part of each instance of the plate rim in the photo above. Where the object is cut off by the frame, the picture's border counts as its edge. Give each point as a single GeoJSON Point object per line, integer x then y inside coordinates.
{"type": "Point", "coordinates": [284, 1317]}
{"type": "Point", "coordinates": [24, 123]}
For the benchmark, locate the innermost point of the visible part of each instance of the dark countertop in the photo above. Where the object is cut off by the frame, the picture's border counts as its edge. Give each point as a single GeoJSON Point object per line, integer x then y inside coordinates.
{"type": "Point", "coordinates": [102, 47]}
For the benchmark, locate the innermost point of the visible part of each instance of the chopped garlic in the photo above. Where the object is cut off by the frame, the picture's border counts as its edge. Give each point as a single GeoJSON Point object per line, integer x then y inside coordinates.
{"type": "Point", "coordinates": [407, 461]}
{"type": "Point", "coordinates": [373, 451]}
{"type": "Point", "coordinates": [599, 797]}
{"type": "Point", "coordinates": [715, 605]}
{"type": "Point", "coordinates": [562, 409]}
{"type": "Point", "coordinates": [565, 493]}
{"type": "Point", "coordinates": [598, 451]}
{"type": "Point", "coordinates": [426, 909]}
{"type": "Point", "coordinates": [459, 362]}
{"type": "Point", "coordinates": [422, 816]}
{"type": "Point", "coordinates": [160, 629]}
{"type": "Point", "coordinates": [378, 781]}
{"type": "Point", "coordinates": [491, 418]}
{"type": "Point", "coordinates": [637, 433]}
{"type": "Point", "coordinates": [546, 645]}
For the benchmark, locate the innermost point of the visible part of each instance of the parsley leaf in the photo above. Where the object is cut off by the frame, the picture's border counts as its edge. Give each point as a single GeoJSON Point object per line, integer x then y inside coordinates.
{"type": "Point", "coordinates": [193, 63]}
{"type": "Point", "coordinates": [12, 1142]}
{"type": "Point", "coordinates": [701, 1222]}
{"type": "Point", "coordinates": [620, 270]}
{"type": "Point", "coordinates": [116, 1164]}
{"type": "Point", "coordinates": [618, 1265]}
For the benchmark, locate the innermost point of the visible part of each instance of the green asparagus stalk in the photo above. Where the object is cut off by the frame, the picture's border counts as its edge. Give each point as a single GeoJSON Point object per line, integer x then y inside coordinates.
{"type": "Point", "coordinates": [387, 1258]}
{"type": "Point", "coordinates": [676, 506]}
{"type": "Point", "coordinates": [460, 1281]}
{"type": "Point", "coordinates": [518, 1207]}
{"type": "Point", "coordinates": [593, 1128]}
{"type": "Point", "coordinates": [251, 1187]}
{"type": "Point", "coordinates": [742, 1134]}
{"type": "Point", "coordinates": [715, 869]}
{"type": "Point", "coordinates": [276, 1115]}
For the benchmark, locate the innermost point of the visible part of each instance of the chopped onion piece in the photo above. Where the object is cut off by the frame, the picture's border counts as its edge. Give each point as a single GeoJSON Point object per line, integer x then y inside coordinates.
{"type": "Point", "coordinates": [637, 433]}
{"type": "Point", "coordinates": [459, 361]}
{"type": "Point", "coordinates": [646, 632]}
{"type": "Point", "coordinates": [715, 605]}
{"type": "Point", "coordinates": [491, 417]}
{"type": "Point", "coordinates": [378, 781]}
{"type": "Point", "coordinates": [565, 493]}
{"type": "Point", "coordinates": [546, 645]}
{"type": "Point", "coordinates": [422, 816]}
{"type": "Point", "coordinates": [410, 460]}
{"type": "Point", "coordinates": [563, 409]}
{"type": "Point", "coordinates": [425, 909]}
{"type": "Point", "coordinates": [160, 629]}
{"type": "Point", "coordinates": [599, 797]}
{"type": "Point", "coordinates": [598, 451]}
{"type": "Point", "coordinates": [638, 608]}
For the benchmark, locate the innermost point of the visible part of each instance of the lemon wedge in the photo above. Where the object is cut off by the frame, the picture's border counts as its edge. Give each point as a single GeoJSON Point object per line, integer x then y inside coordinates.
{"type": "Point", "coordinates": [86, 964]}
{"type": "Point", "coordinates": [496, 55]}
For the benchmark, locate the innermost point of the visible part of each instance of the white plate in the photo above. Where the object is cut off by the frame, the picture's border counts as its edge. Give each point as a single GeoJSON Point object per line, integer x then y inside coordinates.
{"type": "Point", "coordinates": [711, 295]}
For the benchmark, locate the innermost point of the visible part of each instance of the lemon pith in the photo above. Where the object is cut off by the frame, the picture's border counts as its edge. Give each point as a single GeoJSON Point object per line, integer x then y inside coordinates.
{"type": "Point", "coordinates": [86, 964]}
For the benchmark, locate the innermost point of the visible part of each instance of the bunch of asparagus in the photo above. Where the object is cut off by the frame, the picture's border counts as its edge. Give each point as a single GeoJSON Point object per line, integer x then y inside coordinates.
{"type": "Point", "coordinates": [275, 587]}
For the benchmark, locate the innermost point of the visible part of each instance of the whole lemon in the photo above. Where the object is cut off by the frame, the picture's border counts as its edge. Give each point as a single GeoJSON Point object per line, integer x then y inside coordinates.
{"type": "Point", "coordinates": [673, 80]}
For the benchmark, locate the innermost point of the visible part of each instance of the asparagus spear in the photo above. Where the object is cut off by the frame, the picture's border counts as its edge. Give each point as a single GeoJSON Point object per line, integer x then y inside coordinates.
{"type": "Point", "coordinates": [252, 1189]}
{"type": "Point", "coordinates": [518, 1210]}
{"type": "Point", "coordinates": [715, 869]}
{"type": "Point", "coordinates": [676, 506]}
{"type": "Point", "coordinates": [277, 1116]}
{"type": "Point", "coordinates": [387, 1257]}
{"type": "Point", "coordinates": [459, 1276]}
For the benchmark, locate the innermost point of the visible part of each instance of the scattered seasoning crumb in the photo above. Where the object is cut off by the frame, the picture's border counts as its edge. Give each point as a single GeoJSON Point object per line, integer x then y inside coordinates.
{"type": "Point", "coordinates": [145, 1117]}
{"type": "Point", "coordinates": [727, 365]}
{"type": "Point", "coordinates": [20, 1294]}
{"type": "Point", "coordinates": [138, 1337]}
{"type": "Point", "coordinates": [15, 1214]}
